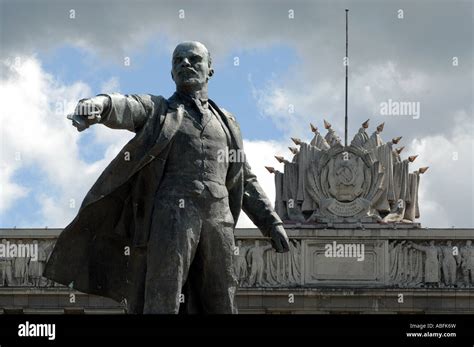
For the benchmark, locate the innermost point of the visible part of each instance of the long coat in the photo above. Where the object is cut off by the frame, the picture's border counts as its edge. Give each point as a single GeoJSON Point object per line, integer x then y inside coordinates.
{"type": "Point", "coordinates": [103, 250]}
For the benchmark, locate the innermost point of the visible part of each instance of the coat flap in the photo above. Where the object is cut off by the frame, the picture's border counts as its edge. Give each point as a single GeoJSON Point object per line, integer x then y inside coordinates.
{"type": "Point", "coordinates": [231, 124]}
{"type": "Point", "coordinates": [169, 128]}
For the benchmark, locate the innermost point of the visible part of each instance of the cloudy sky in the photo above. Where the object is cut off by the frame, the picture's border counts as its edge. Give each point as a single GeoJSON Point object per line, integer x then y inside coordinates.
{"type": "Point", "coordinates": [279, 66]}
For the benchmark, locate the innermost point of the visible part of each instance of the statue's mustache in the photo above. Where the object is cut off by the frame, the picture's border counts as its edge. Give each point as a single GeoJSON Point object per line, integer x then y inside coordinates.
{"type": "Point", "coordinates": [187, 70]}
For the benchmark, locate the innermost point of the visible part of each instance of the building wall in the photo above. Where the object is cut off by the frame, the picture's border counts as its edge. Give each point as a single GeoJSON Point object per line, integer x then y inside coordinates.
{"type": "Point", "coordinates": [374, 269]}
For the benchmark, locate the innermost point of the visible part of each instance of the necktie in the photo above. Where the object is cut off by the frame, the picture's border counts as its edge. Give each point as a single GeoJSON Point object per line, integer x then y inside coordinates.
{"type": "Point", "coordinates": [201, 108]}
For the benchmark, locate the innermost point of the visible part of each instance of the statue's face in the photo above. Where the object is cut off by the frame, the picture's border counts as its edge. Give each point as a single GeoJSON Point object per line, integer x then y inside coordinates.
{"type": "Point", "coordinates": [190, 66]}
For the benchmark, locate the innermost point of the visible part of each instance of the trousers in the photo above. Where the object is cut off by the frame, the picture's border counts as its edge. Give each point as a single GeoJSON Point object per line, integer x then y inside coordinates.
{"type": "Point", "coordinates": [190, 256]}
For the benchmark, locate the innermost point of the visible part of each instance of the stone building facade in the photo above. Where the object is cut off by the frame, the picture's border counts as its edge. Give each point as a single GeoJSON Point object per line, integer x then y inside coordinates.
{"type": "Point", "coordinates": [372, 268]}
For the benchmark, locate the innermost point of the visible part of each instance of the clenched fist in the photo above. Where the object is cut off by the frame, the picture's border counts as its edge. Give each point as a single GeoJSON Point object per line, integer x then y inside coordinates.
{"type": "Point", "coordinates": [279, 239]}
{"type": "Point", "coordinates": [89, 111]}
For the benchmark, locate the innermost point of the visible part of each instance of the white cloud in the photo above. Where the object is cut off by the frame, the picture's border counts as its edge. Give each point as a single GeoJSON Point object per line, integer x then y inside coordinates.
{"type": "Point", "coordinates": [9, 191]}
{"type": "Point", "coordinates": [447, 189]}
{"type": "Point", "coordinates": [312, 102]}
{"type": "Point", "coordinates": [112, 85]}
{"type": "Point", "coordinates": [317, 29]}
{"type": "Point", "coordinates": [35, 128]}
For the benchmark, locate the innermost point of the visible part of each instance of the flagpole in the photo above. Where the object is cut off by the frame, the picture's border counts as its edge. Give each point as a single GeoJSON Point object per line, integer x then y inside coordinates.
{"type": "Point", "coordinates": [347, 66]}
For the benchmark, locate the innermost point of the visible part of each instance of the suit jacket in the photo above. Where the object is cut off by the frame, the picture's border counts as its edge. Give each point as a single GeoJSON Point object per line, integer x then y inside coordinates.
{"type": "Point", "coordinates": [103, 250]}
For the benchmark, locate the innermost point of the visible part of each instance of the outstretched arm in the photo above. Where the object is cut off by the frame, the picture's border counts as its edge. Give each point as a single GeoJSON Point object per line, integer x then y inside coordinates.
{"type": "Point", "coordinates": [115, 111]}
{"type": "Point", "coordinates": [127, 111]}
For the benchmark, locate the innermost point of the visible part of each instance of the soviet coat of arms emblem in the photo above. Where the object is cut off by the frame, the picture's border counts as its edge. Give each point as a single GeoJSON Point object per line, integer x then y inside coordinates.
{"type": "Point", "coordinates": [344, 181]}
{"type": "Point", "coordinates": [366, 181]}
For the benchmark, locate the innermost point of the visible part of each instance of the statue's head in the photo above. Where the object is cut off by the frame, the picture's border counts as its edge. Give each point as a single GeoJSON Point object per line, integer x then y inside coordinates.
{"type": "Point", "coordinates": [448, 243]}
{"type": "Point", "coordinates": [191, 66]}
{"type": "Point", "coordinates": [432, 243]}
{"type": "Point", "coordinates": [468, 242]}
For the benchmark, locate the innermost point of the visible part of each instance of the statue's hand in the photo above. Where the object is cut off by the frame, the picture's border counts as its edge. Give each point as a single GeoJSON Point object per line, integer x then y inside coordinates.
{"type": "Point", "coordinates": [89, 111]}
{"type": "Point", "coordinates": [279, 239]}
